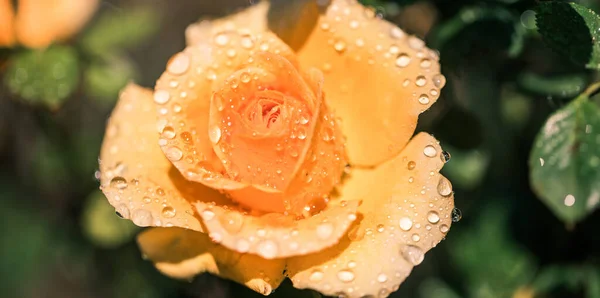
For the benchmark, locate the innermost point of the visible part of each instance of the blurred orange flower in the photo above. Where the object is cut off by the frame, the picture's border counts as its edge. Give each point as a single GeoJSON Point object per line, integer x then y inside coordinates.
{"type": "Point", "coordinates": [257, 162]}
{"type": "Point", "coordinates": [38, 23]}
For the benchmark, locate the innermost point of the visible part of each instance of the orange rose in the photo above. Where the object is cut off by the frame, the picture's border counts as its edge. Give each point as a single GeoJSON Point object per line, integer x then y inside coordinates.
{"type": "Point", "coordinates": [38, 23]}
{"type": "Point", "coordinates": [271, 163]}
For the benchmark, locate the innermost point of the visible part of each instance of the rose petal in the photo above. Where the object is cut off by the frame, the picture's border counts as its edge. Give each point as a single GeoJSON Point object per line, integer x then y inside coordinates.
{"type": "Point", "coordinates": [377, 78]}
{"type": "Point", "coordinates": [275, 235]}
{"type": "Point", "coordinates": [40, 22]}
{"type": "Point", "coordinates": [183, 254]}
{"type": "Point", "coordinates": [7, 15]}
{"type": "Point", "coordinates": [183, 98]}
{"type": "Point", "coordinates": [136, 177]}
{"type": "Point", "coordinates": [405, 212]}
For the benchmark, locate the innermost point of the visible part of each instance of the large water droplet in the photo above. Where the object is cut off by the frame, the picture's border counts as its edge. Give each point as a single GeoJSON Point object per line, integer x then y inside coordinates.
{"type": "Point", "coordinates": [405, 223]}
{"type": "Point", "coordinates": [267, 249]}
{"type": "Point", "coordinates": [444, 187]}
{"type": "Point", "coordinates": [420, 81]}
{"type": "Point", "coordinates": [445, 156]}
{"type": "Point", "coordinates": [316, 276]}
{"type": "Point", "coordinates": [415, 237]}
{"type": "Point", "coordinates": [439, 81]}
{"type": "Point", "coordinates": [433, 217]}
{"type": "Point", "coordinates": [569, 200]}
{"type": "Point", "coordinates": [118, 182]}
{"type": "Point", "coordinates": [413, 254]}
{"type": "Point", "coordinates": [340, 46]}
{"type": "Point", "coordinates": [232, 222]}
{"type": "Point", "coordinates": [429, 151]}
{"type": "Point", "coordinates": [456, 215]}
{"type": "Point", "coordinates": [444, 228]}
{"type": "Point", "coordinates": [161, 96]}
{"type": "Point", "coordinates": [324, 230]}
{"type": "Point", "coordinates": [142, 217]}
{"type": "Point", "coordinates": [168, 132]}
{"type": "Point", "coordinates": [402, 60]}
{"type": "Point", "coordinates": [168, 212]}
{"type": "Point", "coordinates": [174, 153]}
{"type": "Point", "coordinates": [179, 64]}
{"type": "Point", "coordinates": [214, 134]}
{"type": "Point", "coordinates": [423, 99]}
{"type": "Point", "coordinates": [397, 33]}
{"type": "Point", "coordinates": [345, 275]}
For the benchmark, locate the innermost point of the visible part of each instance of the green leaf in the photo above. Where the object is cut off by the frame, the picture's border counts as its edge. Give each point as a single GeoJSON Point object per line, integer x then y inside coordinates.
{"type": "Point", "coordinates": [434, 287]}
{"type": "Point", "coordinates": [102, 226]}
{"type": "Point", "coordinates": [562, 86]}
{"type": "Point", "coordinates": [45, 77]}
{"type": "Point", "coordinates": [572, 30]}
{"type": "Point", "coordinates": [565, 160]}
{"type": "Point", "coordinates": [104, 78]}
{"type": "Point", "coordinates": [120, 29]}
{"type": "Point", "coordinates": [492, 263]}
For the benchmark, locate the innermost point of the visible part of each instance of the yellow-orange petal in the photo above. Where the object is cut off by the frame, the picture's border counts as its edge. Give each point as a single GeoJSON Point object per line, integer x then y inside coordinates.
{"type": "Point", "coordinates": [274, 235]}
{"type": "Point", "coordinates": [377, 78]}
{"type": "Point", "coordinates": [7, 15]}
{"type": "Point", "coordinates": [40, 22]}
{"type": "Point", "coordinates": [136, 177]}
{"type": "Point", "coordinates": [251, 19]}
{"type": "Point", "coordinates": [183, 96]}
{"type": "Point", "coordinates": [405, 212]}
{"type": "Point", "coordinates": [181, 253]}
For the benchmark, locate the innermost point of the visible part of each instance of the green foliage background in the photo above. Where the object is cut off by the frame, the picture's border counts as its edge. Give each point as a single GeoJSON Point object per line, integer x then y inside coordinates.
{"type": "Point", "coordinates": [519, 114]}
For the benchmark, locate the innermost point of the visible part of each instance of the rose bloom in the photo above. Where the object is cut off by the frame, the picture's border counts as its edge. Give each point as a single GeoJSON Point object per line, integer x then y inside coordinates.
{"type": "Point", "coordinates": [256, 162]}
{"type": "Point", "coordinates": [38, 23]}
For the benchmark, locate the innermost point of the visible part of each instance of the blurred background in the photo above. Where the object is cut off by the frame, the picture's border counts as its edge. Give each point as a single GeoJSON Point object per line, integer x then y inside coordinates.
{"type": "Point", "coordinates": [528, 226]}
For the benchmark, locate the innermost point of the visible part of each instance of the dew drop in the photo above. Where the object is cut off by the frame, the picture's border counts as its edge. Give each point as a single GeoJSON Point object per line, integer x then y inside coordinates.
{"type": "Point", "coordinates": [168, 212]}
{"type": "Point", "coordinates": [406, 223]}
{"type": "Point", "coordinates": [247, 42]}
{"type": "Point", "coordinates": [214, 134]}
{"type": "Point", "coordinates": [316, 276]}
{"type": "Point", "coordinates": [413, 254]}
{"type": "Point", "coordinates": [439, 81]}
{"type": "Point", "coordinates": [444, 187]}
{"type": "Point", "coordinates": [216, 237]}
{"type": "Point", "coordinates": [429, 151]}
{"type": "Point", "coordinates": [161, 97]}
{"type": "Point", "coordinates": [142, 217]}
{"type": "Point", "coordinates": [245, 77]}
{"type": "Point", "coordinates": [118, 182]}
{"type": "Point", "coordinates": [411, 165]}
{"type": "Point", "coordinates": [444, 228]}
{"type": "Point", "coordinates": [174, 154]}
{"type": "Point", "coordinates": [424, 99]}
{"type": "Point", "coordinates": [122, 211]}
{"type": "Point", "coordinates": [380, 228]}
{"type": "Point", "coordinates": [232, 222]}
{"type": "Point", "coordinates": [445, 156]}
{"type": "Point", "coordinates": [433, 217]}
{"type": "Point", "coordinates": [267, 249]}
{"type": "Point", "coordinates": [221, 39]}
{"type": "Point", "coordinates": [208, 214]}
{"type": "Point", "coordinates": [415, 43]}
{"type": "Point", "coordinates": [179, 64]}
{"type": "Point", "coordinates": [569, 200]}
{"type": "Point", "coordinates": [402, 60]}
{"type": "Point", "coordinates": [382, 278]}
{"type": "Point", "coordinates": [242, 245]}
{"type": "Point", "coordinates": [421, 81]}
{"type": "Point", "coordinates": [397, 33]}
{"type": "Point", "coordinates": [425, 63]}
{"type": "Point", "coordinates": [415, 237]}
{"type": "Point", "coordinates": [324, 230]}
{"type": "Point", "coordinates": [345, 275]}
{"type": "Point", "coordinates": [168, 132]}
{"type": "Point", "coordinates": [456, 215]}
{"type": "Point", "coordinates": [340, 46]}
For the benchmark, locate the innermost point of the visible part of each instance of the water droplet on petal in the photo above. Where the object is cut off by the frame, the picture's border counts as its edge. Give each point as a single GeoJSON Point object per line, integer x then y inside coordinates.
{"type": "Point", "coordinates": [242, 245]}
{"type": "Point", "coordinates": [421, 81]}
{"type": "Point", "coordinates": [405, 223]}
{"type": "Point", "coordinates": [382, 278]}
{"type": "Point", "coordinates": [425, 63]}
{"type": "Point", "coordinates": [324, 230]}
{"type": "Point", "coordinates": [142, 217]}
{"type": "Point", "coordinates": [445, 156]}
{"type": "Point", "coordinates": [174, 154]}
{"type": "Point", "coordinates": [340, 46]}
{"type": "Point", "coordinates": [247, 42]}
{"type": "Point", "coordinates": [168, 132]}
{"type": "Point", "coordinates": [444, 228]}
{"type": "Point", "coordinates": [179, 64]}
{"type": "Point", "coordinates": [424, 99]}
{"type": "Point", "coordinates": [168, 212]}
{"type": "Point", "coordinates": [216, 237]}
{"type": "Point", "coordinates": [161, 97]}
{"type": "Point", "coordinates": [444, 187]}
{"type": "Point", "coordinates": [397, 33]}
{"type": "Point", "coordinates": [118, 182]}
{"type": "Point", "coordinates": [316, 276]}
{"type": "Point", "coordinates": [221, 39]}
{"type": "Point", "coordinates": [245, 77]}
{"type": "Point", "coordinates": [433, 217]}
{"type": "Point", "coordinates": [208, 214]}
{"type": "Point", "coordinates": [429, 151]}
{"type": "Point", "coordinates": [569, 200]}
{"type": "Point", "coordinates": [456, 215]}
{"type": "Point", "coordinates": [413, 254]}
{"type": "Point", "coordinates": [345, 275]}
{"type": "Point", "coordinates": [402, 60]}
{"type": "Point", "coordinates": [411, 165]}
{"type": "Point", "coordinates": [439, 81]}
{"type": "Point", "coordinates": [415, 237]}
{"type": "Point", "coordinates": [214, 134]}
{"type": "Point", "coordinates": [267, 249]}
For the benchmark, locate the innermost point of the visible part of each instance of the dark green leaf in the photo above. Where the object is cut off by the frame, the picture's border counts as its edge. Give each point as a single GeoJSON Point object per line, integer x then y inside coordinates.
{"type": "Point", "coordinates": [45, 77]}
{"type": "Point", "coordinates": [565, 160]}
{"type": "Point", "coordinates": [102, 226]}
{"type": "Point", "coordinates": [572, 30]}
{"type": "Point", "coordinates": [120, 29]}
{"type": "Point", "coordinates": [104, 78]}
{"type": "Point", "coordinates": [563, 86]}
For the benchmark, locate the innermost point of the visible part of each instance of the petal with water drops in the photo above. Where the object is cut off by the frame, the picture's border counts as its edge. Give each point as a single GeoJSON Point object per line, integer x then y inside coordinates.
{"type": "Point", "coordinates": [136, 177]}
{"type": "Point", "coordinates": [7, 15]}
{"type": "Point", "coordinates": [181, 253]}
{"type": "Point", "coordinates": [378, 79]}
{"type": "Point", "coordinates": [406, 211]}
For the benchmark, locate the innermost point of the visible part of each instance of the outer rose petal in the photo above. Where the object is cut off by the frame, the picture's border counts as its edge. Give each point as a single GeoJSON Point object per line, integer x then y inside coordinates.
{"type": "Point", "coordinates": [40, 22]}
{"type": "Point", "coordinates": [251, 19]}
{"type": "Point", "coordinates": [406, 212]}
{"type": "Point", "coordinates": [183, 254]}
{"type": "Point", "coordinates": [377, 78]}
{"type": "Point", "coordinates": [136, 177]}
{"type": "Point", "coordinates": [183, 98]}
{"type": "Point", "coordinates": [275, 235]}
{"type": "Point", "coordinates": [7, 15]}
